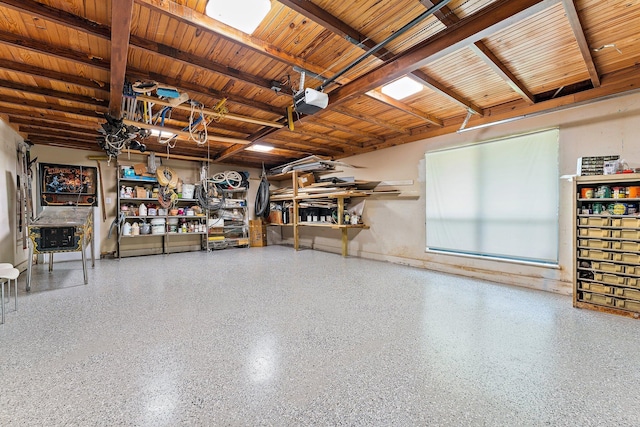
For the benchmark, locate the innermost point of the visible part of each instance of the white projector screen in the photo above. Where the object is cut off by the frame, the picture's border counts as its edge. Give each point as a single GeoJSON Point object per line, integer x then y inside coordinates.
{"type": "Point", "coordinates": [497, 198]}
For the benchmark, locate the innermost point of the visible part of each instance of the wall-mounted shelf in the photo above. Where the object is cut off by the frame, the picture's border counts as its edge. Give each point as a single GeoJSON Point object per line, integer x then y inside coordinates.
{"type": "Point", "coordinates": [296, 197]}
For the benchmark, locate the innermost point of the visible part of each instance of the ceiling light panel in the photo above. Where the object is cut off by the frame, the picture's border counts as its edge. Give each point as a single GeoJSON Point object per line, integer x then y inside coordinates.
{"type": "Point", "coordinates": [244, 15]}
{"type": "Point", "coordinates": [402, 88]}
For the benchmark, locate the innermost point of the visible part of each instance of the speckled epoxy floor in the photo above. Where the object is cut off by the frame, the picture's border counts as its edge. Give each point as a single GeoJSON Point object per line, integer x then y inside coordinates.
{"type": "Point", "coordinates": [270, 336]}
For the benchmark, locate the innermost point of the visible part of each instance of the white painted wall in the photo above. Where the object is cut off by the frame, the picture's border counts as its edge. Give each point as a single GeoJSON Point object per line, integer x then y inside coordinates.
{"type": "Point", "coordinates": [10, 251]}
{"type": "Point", "coordinates": [397, 231]}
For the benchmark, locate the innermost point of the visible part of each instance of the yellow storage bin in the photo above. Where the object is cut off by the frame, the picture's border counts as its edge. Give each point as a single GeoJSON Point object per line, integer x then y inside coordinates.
{"type": "Point", "coordinates": [609, 278]}
{"type": "Point", "coordinates": [595, 254]}
{"type": "Point", "coordinates": [595, 232]}
{"type": "Point", "coordinates": [627, 246]}
{"type": "Point", "coordinates": [633, 281]}
{"type": "Point", "coordinates": [626, 222]}
{"type": "Point", "coordinates": [594, 243]}
{"type": "Point", "coordinates": [598, 222]}
{"type": "Point", "coordinates": [596, 287]}
{"type": "Point", "coordinates": [628, 293]}
{"type": "Point", "coordinates": [598, 299]}
{"type": "Point", "coordinates": [626, 234]}
{"type": "Point", "coordinates": [628, 305]}
{"type": "Point", "coordinates": [629, 269]}
{"type": "Point", "coordinates": [608, 267]}
{"type": "Point", "coordinates": [628, 258]}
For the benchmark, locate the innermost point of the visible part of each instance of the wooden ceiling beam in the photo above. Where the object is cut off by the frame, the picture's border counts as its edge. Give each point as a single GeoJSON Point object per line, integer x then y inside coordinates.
{"type": "Point", "coordinates": [102, 31]}
{"type": "Point", "coordinates": [201, 21]}
{"type": "Point", "coordinates": [304, 147]}
{"type": "Point", "coordinates": [450, 94]}
{"type": "Point", "coordinates": [324, 136]}
{"type": "Point", "coordinates": [46, 124]}
{"type": "Point", "coordinates": [18, 67]}
{"type": "Point", "coordinates": [65, 143]}
{"type": "Point", "coordinates": [574, 20]}
{"type": "Point", "coordinates": [379, 96]}
{"type": "Point", "coordinates": [493, 18]}
{"type": "Point", "coordinates": [55, 51]}
{"type": "Point", "coordinates": [204, 63]}
{"type": "Point", "coordinates": [61, 17]}
{"type": "Point", "coordinates": [483, 52]}
{"type": "Point", "coordinates": [346, 129]}
{"type": "Point", "coordinates": [449, 18]}
{"type": "Point", "coordinates": [210, 112]}
{"type": "Point", "coordinates": [121, 15]}
{"type": "Point", "coordinates": [335, 25]}
{"type": "Point", "coordinates": [259, 137]}
{"type": "Point", "coordinates": [193, 88]}
{"type": "Point", "coordinates": [52, 94]}
{"type": "Point", "coordinates": [92, 114]}
{"type": "Point", "coordinates": [365, 118]}
{"type": "Point", "coordinates": [66, 137]}
{"type": "Point", "coordinates": [48, 116]}
{"type": "Point", "coordinates": [618, 83]}
{"type": "Point", "coordinates": [61, 133]}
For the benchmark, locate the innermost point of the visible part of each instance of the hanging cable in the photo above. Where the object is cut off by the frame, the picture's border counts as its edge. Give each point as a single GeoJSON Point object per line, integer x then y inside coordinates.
{"type": "Point", "coordinates": [206, 193]}
{"type": "Point", "coordinates": [262, 197]}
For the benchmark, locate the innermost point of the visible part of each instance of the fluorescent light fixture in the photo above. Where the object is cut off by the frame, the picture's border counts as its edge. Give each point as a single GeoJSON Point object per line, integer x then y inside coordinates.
{"type": "Point", "coordinates": [402, 88]}
{"type": "Point", "coordinates": [262, 148]}
{"type": "Point", "coordinates": [244, 15]}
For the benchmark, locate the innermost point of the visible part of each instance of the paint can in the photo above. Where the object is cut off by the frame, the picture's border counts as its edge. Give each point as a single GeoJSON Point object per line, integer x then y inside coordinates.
{"type": "Point", "coordinates": [586, 193]}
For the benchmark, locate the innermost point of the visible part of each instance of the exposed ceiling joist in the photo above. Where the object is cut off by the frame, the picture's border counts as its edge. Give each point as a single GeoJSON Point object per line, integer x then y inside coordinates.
{"type": "Point", "coordinates": [49, 124]}
{"type": "Point", "coordinates": [578, 32]}
{"type": "Point", "coordinates": [346, 129]}
{"type": "Point", "coordinates": [50, 93]}
{"type": "Point", "coordinates": [52, 106]}
{"type": "Point", "coordinates": [484, 53]}
{"type": "Point", "coordinates": [121, 15]}
{"type": "Point", "coordinates": [31, 70]}
{"type": "Point", "coordinates": [495, 17]}
{"type": "Point", "coordinates": [342, 29]}
{"type": "Point", "coordinates": [89, 122]}
{"type": "Point", "coordinates": [366, 118]}
{"type": "Point", "coordinates": [210, 112]}
{"type": "Point", "coordinates": [102, 31]}
{"type": "Point", "coordinates": [59, 16]}
{"type": "Point", "coordinates": [379, 96]}
{"type": "Point", "coordinates": [81, 58]}
{"type": "Point", "coordinates": [449, 18]}
{"type": "Point", "coordinates": [438, 87]}
{"type": "Point", "coordinates": [204, 22]}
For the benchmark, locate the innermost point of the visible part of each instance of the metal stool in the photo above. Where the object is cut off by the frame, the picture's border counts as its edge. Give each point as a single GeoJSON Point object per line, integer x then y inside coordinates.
{"type": "Point", "coordinates": [7, 274]}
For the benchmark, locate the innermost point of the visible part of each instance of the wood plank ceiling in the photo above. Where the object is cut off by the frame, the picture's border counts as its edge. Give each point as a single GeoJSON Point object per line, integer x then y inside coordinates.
{"type": "Point", "coordinates": [63, 65]}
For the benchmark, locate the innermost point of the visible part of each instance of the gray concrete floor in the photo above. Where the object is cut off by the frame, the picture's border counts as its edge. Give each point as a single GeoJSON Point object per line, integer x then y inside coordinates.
{"type": "Point", "coordinates": [270, 336]}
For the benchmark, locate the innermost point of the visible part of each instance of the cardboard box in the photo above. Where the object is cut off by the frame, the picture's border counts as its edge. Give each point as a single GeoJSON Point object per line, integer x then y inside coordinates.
{"type": "Point", "coordinates": [141, 192]}
{"type": "Point", "coordinates": [140, 168]}
{"type": "Point", "coordinates": [257, 233]}
{"type": "Point", "coordinates": [306, 180]}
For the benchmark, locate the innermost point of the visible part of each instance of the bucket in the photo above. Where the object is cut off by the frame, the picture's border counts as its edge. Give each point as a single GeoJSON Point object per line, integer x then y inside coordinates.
{"type": "Point", "coordinates": [187, 191]}
{"type": "Point", "coordinates": [157, 226]}
{"type": "Point", "coordinates": [173, 225]}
